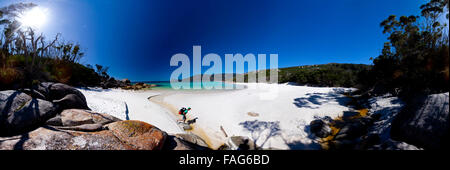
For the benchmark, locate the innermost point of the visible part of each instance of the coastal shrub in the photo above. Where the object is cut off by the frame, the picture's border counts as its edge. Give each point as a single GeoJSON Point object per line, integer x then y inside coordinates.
{"type": "Point", "coordinates": [9, 75]}
{"type": "Point", "coordinates": [23, 62]}
{"type": "Point", "coordinates": [416, 58]}
{"type": "Point", "coordinates": [330, 75]}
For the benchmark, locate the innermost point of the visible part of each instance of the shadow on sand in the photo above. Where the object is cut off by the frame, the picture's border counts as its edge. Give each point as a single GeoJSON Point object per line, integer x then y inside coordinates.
{"type": "Point", "coordinates": [264, 130]}
{"type": "Point", "coordinates": [314, 100]}
{"type": "Point", "coordinates": [261, 130]}
{"type": "Point", "coordinates": [94, 89]}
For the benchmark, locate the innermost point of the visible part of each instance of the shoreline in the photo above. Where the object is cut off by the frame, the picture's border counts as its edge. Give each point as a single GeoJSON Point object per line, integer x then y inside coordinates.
{"type": "Point", "coordinates": [279, 123]}
{"type": "Point", "coordinates": [158, 99]}
{"type": "Point", "coordinates": [131, 105]}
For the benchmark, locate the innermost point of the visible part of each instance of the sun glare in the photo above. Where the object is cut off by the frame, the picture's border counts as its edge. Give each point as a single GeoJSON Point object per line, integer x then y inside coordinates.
{"type": "Point", "coordinates": [34, 18]}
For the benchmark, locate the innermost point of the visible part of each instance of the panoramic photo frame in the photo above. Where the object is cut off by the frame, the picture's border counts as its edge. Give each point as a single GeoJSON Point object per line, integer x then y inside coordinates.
{"type": "Point", "coordinates": [202, 84]}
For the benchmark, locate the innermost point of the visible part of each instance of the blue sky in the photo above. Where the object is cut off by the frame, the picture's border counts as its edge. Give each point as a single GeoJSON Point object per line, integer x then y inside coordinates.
{"type": "Point", "coordinates": [136, 38]}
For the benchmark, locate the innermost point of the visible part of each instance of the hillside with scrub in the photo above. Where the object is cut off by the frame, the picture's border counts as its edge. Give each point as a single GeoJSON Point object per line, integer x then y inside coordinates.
{"type": "Point", "coordinates": [28, 57]}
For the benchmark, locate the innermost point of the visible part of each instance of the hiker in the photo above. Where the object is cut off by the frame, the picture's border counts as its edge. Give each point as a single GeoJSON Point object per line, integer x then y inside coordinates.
{"type": "Point", "coordinates": [183, 111]}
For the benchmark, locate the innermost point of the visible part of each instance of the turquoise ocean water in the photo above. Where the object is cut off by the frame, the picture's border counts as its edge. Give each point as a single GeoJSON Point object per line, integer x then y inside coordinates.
{"type": "Point", "coordinates": [168, 85]}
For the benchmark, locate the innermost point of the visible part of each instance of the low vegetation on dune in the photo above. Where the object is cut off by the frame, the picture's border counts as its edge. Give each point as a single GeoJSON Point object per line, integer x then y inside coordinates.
{"type": "Point", "coordinates": [329, 75]}
{"type": "Point", "coordinates": [416, 57]}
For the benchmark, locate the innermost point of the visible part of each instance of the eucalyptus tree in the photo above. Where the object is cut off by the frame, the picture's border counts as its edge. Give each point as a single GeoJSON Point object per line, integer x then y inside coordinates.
{"type": "Point", "coordinates": [416, 56]}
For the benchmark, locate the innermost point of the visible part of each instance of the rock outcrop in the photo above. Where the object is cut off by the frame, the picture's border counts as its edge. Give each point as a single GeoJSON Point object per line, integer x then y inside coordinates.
{"type": "Point", "coordinates": [81, 120]}
{"type": "Point", "coordinates": [138, 134]}
{"type": "Point", "coordinates": [239, 143]}
{"type": "Point", "coordinates": [424, 122]}
{"type": "Point", "coordinates": [185, 142]}
{"type": "Point", "coordinates": [27, 109]}
{"type": "Point", "coordinates": [63, 95]}
{"type": "Point", "coordinates": [20, 112]}
{"type": "Point", "coordinates": [319, 128]}
{"type": "Point", "coordinates": [49, 138]}
{"type": "Point", "coordinates": [113, 83]}
{"type": "Point", "coordinates": [54, 116]}
{"type": "Point", "coordinates": [75, 117]}
{"type": "Point", "coordinates": [138, 86]}
{"type": "Point", "coordinates": [86, 131]}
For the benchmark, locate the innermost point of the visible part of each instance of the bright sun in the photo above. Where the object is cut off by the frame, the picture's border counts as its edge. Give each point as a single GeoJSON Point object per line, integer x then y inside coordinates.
{"type": "Point", "coordinates": [34, 18]}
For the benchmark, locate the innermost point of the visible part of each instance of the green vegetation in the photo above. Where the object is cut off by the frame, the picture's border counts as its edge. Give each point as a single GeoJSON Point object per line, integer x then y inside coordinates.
{"type": "Point", "coordinates": [27, 58]}
{"type": "Point", "coordinates": [331, 75]}
{"type": "Point", "coordinates": [416, 58]}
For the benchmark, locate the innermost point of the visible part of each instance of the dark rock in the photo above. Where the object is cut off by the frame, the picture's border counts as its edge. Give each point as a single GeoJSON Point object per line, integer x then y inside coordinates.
{"type": "Point", "coordinates": [338, 123]}
{"type": "Point", "coordinates": [319, 128]}
{"type": "Point", "coordinates": [424, 122]}
{"type": "Point", "coordinates": [34, 113]}
{"type": "Point", "coordinates": [55, 121]}
{"type": "Point", "coordinates": [375, 116]}
{"type": "Point", "coordinates": [11, 100]}
{"type": "Point", "coordinates": [349, 115]}
{"type": "Point", "coordinates": [21, 113]}
{"type": "Point", "coordinates": [71, 101]}
{"type": "Point", "coordinates": [185, 142]}
{"type": "Point", "coordinates": [64, 95]}
{"type": "Point", "coordinates": [69, 97]}
{"type": "Point", "coordinates": [43, 88]}
{"type": "Point", "coordinates": [378, 90]}
{"type": "Point", "coordinates": [126, 82]}
{"type": "Point", "coordinates": [354, 129]}
{"type": "Point", "coordinates": [58, 91]}
{"type": "Point", "coordinates": [34, 93]}
{"type": "Point", "coordinates": [240, 143]}
{"type": "Point", "coordinates": [192, 138]}
{"type": "Point", "coordinates": [327, 119]}
{"type": "Point", "coordinates": [369, 141]}
{"type": "Point", "coordinates": [343, 144]}
{"type": "Point", "coordinates": [113, 83]}
{"type": "Point", "coordinates": [138, 86]}
{"type": "Point", "coordinates": [393, 145]}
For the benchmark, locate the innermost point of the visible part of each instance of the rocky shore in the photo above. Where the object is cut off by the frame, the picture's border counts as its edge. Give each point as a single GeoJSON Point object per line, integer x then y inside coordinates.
{"type": "Point", "coordinates": [55, 116]}
{"type": "Point", "coordinates": [138, 86]}
{"type": "Point", "coordinates": [387, 123]}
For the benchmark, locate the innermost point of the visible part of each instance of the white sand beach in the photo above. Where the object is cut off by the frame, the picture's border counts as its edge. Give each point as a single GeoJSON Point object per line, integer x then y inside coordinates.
{"type": "Point", "coordinates": [131, 105]}
{"type": "Point", "coordinates": [281, 123]}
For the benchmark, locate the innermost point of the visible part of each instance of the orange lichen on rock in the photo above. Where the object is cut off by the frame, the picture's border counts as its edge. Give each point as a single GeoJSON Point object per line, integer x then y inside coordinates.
{"type": "Point", "coordinates": [363, 112]}
{"type": "Point", "coordinates": [138, 134]}
{"type": "Point", "coordinates": [325, 142]}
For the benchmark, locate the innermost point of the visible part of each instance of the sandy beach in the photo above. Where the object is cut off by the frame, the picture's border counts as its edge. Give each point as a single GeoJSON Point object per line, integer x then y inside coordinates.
{"type": "Point", "coordinates": [280, 123]}
{"type": "Point", "coordinates": [131, 105]}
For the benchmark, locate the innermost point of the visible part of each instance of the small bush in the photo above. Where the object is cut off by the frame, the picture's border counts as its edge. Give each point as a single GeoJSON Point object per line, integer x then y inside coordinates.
{"type": "Point", "coordinates": [9, 76]}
